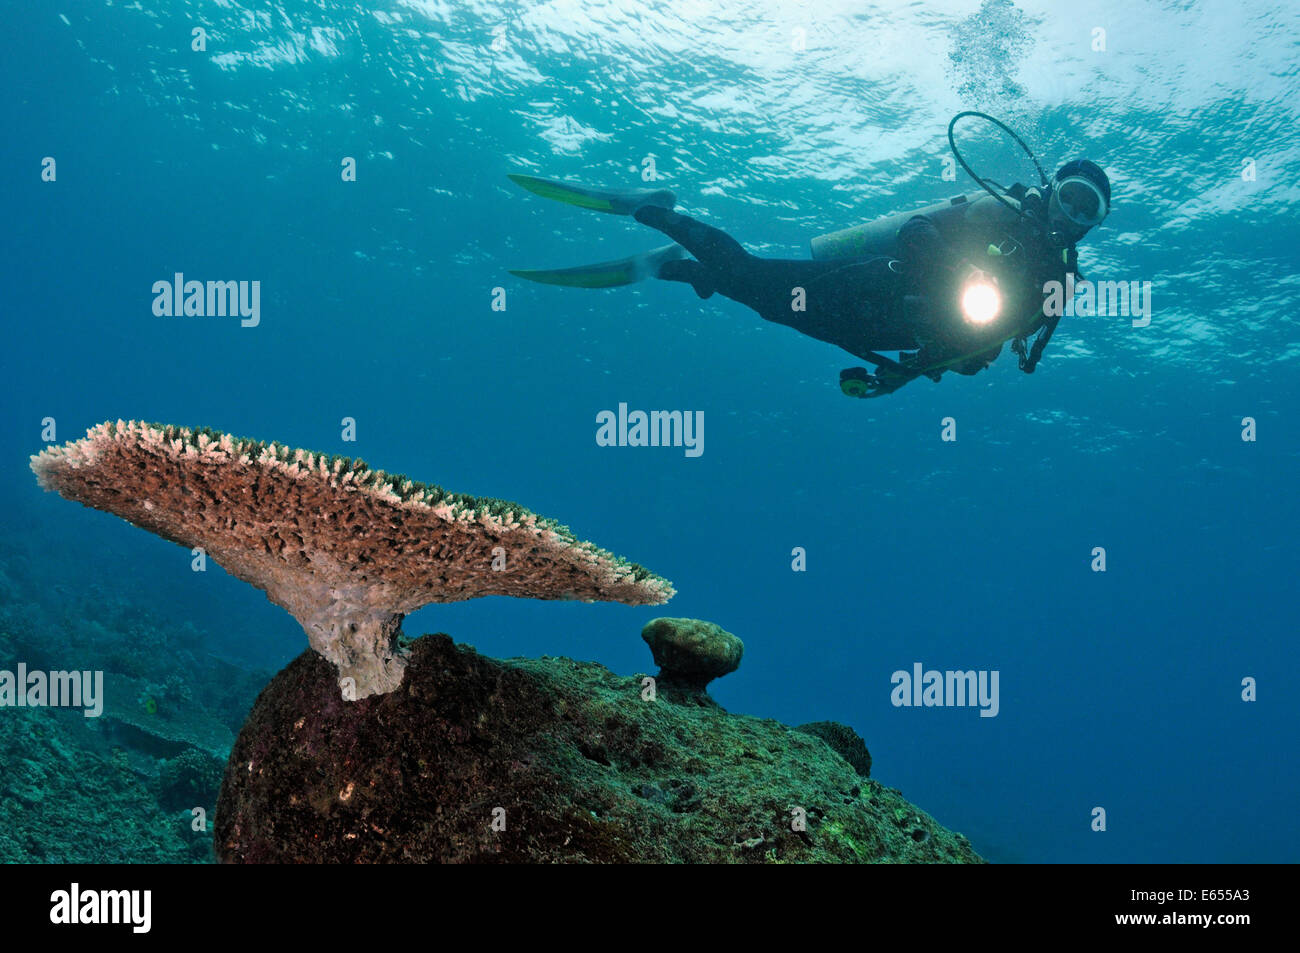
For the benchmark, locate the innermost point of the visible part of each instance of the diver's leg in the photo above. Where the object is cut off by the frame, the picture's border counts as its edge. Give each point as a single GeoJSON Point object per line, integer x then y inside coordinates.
{"type": "Point", "coordinates": [722, 265]}
{"type": "Point", "coordinates": [712, 246]}
{"type": "Point", "coordinates": [853, 305]}
{"type": "Point", "coordinates": [690, 272]}
{"type": "Point", "coordinates": [845, 304]}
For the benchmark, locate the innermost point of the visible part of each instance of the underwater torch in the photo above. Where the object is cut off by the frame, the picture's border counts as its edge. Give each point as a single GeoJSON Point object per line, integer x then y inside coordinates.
{"type": "Point", "coordinates": [981, 301]}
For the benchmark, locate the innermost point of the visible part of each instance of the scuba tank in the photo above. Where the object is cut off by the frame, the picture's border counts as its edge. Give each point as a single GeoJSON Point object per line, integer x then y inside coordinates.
{"type": "Point", "coordinates": [878, 237]}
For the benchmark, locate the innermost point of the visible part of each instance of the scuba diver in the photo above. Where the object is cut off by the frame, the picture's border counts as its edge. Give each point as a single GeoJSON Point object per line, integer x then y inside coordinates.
{"type": "Point", "coordinates": [946, 286]}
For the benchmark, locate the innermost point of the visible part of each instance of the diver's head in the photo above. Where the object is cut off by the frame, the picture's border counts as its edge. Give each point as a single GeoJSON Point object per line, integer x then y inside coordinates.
{"type": "Point", "coordinates": [1080, 199]}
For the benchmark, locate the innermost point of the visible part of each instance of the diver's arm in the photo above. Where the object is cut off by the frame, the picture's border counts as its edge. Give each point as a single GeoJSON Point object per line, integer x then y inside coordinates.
{"type": "Point", "coordinates": [925, 254]}
{"type": "Point", "coordinates": [939, 344]}
{"type": "Point", "coordinates": [978, 362]}
{"type": "Point", "coordinates": [1030, 356]}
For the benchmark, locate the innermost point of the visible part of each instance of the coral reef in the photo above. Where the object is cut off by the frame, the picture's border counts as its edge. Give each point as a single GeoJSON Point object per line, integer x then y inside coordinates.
{"type": "Point", "coordinates": [62, 803]}
{"type": "Point", "coordinates": [691, 652]}
{"type": "Point", "coordinates": [148, 718]}
{"type": "Point", "coordinates": [121, 787]}
{"type": "Point", "coordinates": [346, 550]}
{"type": "Point", "coordinates": [541, 760]}
{"type": "Point", "coordinates": [188, 779]}
{"type": "Point", "coordinates": [844, 741]}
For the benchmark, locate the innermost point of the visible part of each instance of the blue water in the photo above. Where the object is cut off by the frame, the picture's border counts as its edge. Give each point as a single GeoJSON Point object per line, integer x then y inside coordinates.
{"type": "Point", "coordinates": [1119, 689]}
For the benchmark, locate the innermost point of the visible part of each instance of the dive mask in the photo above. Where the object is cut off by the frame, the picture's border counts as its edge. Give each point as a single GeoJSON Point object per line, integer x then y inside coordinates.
{"type": "Point", "coordinates": [1077, 200]}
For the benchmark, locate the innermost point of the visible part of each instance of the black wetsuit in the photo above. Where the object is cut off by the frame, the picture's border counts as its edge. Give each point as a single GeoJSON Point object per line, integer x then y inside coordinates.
{"type": "Point", "coordinates": [866, 305]}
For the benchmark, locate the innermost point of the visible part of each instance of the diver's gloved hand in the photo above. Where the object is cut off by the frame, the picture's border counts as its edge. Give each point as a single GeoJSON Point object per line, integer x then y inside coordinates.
{"type": "Point", "coordinates": [1022, 356]}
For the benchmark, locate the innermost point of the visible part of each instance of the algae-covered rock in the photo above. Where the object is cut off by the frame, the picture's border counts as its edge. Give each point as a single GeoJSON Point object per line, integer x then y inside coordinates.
{"type": "Point", "coordinates": [844, 741]}
{"type": "Point", "coordinates": [692, 652]}
{"type": "Point", "coordinates": [541, 760]}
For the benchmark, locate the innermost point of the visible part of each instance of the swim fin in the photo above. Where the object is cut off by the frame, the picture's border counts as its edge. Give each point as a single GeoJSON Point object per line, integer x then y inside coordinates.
{"type": "Point", "coordinates": [613, 201]}
{"type": "Point", "coordinates": [607, 274]}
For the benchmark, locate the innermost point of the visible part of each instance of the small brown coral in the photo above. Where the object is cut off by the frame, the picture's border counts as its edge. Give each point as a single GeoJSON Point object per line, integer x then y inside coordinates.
{"type": "Point", "coordinates": [346, 550]}
{"type": "Point", "coordinates": [692, 652]}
